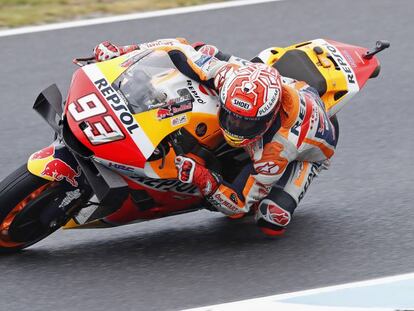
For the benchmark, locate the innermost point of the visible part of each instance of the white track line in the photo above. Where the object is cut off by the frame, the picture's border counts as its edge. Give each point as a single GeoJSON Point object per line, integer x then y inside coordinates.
{"type": "Point", "coordinates": [270, 302]}
{"type": "Point", "coordinates": [127, 17]}
{"type": "Point", "coordinates": [377, 281]}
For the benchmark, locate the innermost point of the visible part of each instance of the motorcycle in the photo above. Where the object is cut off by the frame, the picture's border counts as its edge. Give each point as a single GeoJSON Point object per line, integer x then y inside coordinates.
{"type": "Point", "coordinates": [124, 121]}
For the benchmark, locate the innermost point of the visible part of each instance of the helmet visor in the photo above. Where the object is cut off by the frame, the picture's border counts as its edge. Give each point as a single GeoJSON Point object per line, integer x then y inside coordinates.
{"type": "Point", "coordinates": [241, 126]}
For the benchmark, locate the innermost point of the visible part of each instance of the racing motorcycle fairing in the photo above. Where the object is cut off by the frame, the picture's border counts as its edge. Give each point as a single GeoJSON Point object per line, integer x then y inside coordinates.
{"type": "Point", "coordinates": [55, 163]}
{"type": "Point", "coordinates": [147, 198]}
{"type": "Point", "coordinates": [114, 106]}
{"type": "Point", "coordinates": [49, 105]}
{"type": "Point", "coordinates": [101, 101]}
{"type": "Point", "coordinates": [65, 160]}
{"type": "Point", "coordinates": [337, 70]}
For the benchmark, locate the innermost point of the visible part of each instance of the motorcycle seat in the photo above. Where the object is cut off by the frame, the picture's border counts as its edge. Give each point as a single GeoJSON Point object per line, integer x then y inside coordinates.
{"type": "Point", "coordinates": [296, 64]}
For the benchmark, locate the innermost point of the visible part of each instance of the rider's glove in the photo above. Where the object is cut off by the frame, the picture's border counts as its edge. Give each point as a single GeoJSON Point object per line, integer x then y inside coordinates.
{"type": "Point", "coordinates": [190, 172]}
{"type": "Point", "coordinates": [106, 50]}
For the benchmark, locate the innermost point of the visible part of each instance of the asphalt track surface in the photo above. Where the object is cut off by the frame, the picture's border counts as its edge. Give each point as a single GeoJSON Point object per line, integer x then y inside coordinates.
{"type": "Point", "coordinates": [355, 223]}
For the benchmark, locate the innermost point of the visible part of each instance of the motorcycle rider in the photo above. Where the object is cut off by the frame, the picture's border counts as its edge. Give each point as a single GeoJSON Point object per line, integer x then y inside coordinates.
{"type": "Point", "coordinates": [281, 123]}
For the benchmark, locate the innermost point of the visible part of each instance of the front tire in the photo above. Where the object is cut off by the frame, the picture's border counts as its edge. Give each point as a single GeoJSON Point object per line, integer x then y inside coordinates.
{"type": "Point", "coordinates": [27, 203]}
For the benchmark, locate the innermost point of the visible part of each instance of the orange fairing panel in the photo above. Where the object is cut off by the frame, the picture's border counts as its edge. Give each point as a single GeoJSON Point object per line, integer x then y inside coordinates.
{"type": "Point", "coordinates": [205, 128]}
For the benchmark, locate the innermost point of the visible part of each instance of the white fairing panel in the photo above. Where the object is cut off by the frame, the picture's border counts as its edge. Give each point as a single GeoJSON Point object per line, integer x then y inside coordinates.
{"type": "Point", "coordinates": [346, 69]}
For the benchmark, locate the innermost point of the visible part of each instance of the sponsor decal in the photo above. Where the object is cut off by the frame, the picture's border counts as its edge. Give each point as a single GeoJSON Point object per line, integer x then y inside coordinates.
{"type": "Point", "coordinates": [70, 196]}
{"type": "Point", "coordinates": [165, 185]}
{"type": "Point", "coordinates": [220, 202]}
{"type": "Point", "coordinates": [342, 63]}
{"type": "Point", "coordinates": [323, 123]}
{"type": "Point", "coordinates": [194, 92]}
{"type": "Point", "coordinates": [176, 121]}
{"type": "Point", "coordinates": [267, 168]}
{"type": "Point", "coordinates": [181, 108]}
{"type": "Point", "coordinates": [158, 43]}
{"type": "Point", "coordinates": [175, 107]}
{"type": "Point", "coordinates": [163, 113]}
{"type": "Point", "coordinates": [202, 60]}
{"type": "Point", "coordinates": [312, 174]}
{"type": "Point", "coordinates": [241, 104]}
{"type": "Point", "coordinates": [201, 129]}
{"type": "Point", "coordinates": [184, 99]}
{"type": "Point", "coordinates": [119, 106]}
{"type": "Point", "coordinates": [121, 167]}
{"type": "Point", "coordinates": [59, 170]}
{"type": "Point", "coordinates": [211, 64]}
{"type": "Point", "coordinates": [264, 110]}
{"type": "Point", "coordinates": [349, 59]}
{"type": "Point", "coordinates": [301, 116]}
{"type": "Point", "coordinates": [278, 215]}
{"type": "Point", "coordinates": [44, 153]}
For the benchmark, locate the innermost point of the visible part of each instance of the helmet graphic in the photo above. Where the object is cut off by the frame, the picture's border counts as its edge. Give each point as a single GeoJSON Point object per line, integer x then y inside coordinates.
{"type": "Point", "coordinates": [249, 98]}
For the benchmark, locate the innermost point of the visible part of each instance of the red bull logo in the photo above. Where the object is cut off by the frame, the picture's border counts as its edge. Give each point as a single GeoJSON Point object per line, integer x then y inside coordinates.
{"type": "Point", "coordinates": [59, 170]}
{"type": "Point", "coordinates": [279, 215]}
{"type": "Point", "coordinates": [44, 153]}
{"type": "Point", "coordinates": [163, 113]}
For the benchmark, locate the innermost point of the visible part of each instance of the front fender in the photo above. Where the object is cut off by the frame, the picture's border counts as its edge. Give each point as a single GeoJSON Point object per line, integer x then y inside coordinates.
{"type": "Point", "coordinates": [55, 163]}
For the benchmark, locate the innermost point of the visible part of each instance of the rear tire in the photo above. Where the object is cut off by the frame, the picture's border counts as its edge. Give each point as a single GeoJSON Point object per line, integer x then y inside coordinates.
{"type": "Point", "coordinates": [27, 202]}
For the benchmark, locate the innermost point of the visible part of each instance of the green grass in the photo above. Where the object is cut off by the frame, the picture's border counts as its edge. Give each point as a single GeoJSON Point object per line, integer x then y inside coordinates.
{"type": "Point", "coordinates": [15, 13]}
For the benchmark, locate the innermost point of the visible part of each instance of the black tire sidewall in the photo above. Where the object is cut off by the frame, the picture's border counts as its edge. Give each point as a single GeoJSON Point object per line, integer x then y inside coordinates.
{"type": "Point", "coordinates": [13, 189]}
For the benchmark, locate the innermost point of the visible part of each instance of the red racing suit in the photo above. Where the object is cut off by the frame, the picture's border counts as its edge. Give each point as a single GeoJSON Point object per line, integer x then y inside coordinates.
{"type": "Point", "coordinates": [286, 158]}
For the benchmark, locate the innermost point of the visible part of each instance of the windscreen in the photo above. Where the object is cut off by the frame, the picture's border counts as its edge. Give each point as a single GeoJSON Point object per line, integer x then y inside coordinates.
{"type": "Point", "coordinates": [136, 84]}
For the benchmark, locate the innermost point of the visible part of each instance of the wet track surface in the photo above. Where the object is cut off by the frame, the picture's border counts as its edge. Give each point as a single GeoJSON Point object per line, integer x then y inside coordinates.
{"type": "Point", "coordinates": [355, 223]}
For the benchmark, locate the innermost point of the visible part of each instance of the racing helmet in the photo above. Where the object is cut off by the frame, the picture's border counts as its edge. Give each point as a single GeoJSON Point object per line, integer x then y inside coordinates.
{"type": "Point", "coordinates": [249, 102]}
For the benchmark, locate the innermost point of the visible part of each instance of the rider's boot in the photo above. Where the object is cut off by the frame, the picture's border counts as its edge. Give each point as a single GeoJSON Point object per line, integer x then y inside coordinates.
{"type": "Point", "coordinates": [274, 212]}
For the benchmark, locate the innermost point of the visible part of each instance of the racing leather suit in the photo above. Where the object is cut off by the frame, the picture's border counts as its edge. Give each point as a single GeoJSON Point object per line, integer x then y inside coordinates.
{"type": "Point", "coordinates": [285, 160]}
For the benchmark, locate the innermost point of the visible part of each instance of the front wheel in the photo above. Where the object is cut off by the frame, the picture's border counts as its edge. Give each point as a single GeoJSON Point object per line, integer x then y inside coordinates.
{"type": "Point", "coordinates": [31, 208]}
